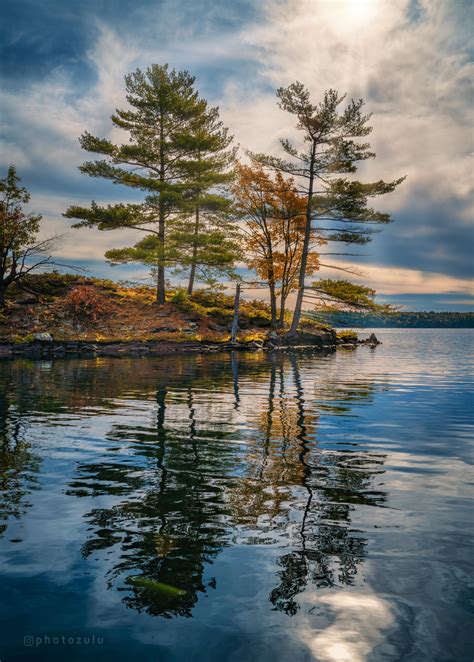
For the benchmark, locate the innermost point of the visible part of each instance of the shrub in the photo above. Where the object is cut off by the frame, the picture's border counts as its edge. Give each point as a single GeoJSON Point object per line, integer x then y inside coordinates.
{"type": "Point", "coordinates": [220, 315]}
{"type": "Point", "coordinates": [85, 305]}
{"type": "Point", "coordinates": [347, 335]}
{"type": "Point", "coordinates": [210, 299]}
{"type": "Point", "coordinates": [179, 296]}
{"type": "Point", "coordinates": [49, 284]}
{"type": "Point", "coordinates": [23, 340]}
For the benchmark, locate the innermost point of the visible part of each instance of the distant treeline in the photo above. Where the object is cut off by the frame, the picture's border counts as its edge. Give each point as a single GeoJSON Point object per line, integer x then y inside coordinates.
{"type": "Point", "coordinates": [419, 319]}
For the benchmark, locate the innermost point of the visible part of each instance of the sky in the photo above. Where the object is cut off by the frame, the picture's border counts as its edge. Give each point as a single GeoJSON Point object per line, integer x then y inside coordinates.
{"type": "Point", "coordinates": [62, 65]}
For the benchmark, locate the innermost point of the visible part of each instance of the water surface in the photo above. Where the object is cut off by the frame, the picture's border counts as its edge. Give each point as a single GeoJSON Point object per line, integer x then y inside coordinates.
{"type": "Point", "coordinates": [285, 506]}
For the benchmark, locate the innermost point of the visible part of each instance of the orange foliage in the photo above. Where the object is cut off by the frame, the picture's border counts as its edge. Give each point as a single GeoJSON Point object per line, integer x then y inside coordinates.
{"type": "Point", "coordinates": [275, 218]}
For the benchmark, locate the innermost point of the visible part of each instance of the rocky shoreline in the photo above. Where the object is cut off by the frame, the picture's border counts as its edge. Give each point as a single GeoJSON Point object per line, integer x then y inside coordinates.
{"type": "Point", "coordinates": [44, 346]}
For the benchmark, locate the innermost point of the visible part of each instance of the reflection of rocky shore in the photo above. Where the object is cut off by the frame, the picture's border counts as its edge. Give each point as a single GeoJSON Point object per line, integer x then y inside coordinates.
{"type": "Point", "coordinates": [224, 449]}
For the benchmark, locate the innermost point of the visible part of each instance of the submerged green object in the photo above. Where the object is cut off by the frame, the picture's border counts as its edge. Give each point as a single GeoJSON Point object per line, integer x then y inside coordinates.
{"type": "Point", "coordinates": [152, 585]}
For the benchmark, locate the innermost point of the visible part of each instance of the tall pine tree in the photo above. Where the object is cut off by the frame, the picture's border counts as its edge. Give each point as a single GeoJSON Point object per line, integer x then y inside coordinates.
{"type": "Point", "coordinates": [164, 109]}
{"type": "Point", "coordinates": [330, 151]}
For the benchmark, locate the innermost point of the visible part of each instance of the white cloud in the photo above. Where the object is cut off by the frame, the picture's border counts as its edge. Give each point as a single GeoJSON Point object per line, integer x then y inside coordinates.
{"type": "Point", "coordinates": [392, 280]}
{"type": "Point", "coordinates": [416, 83]}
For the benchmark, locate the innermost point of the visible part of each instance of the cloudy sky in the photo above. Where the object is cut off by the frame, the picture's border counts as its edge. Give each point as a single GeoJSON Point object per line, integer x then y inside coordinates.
{"type": "Point", "coordinates": [62, 64]}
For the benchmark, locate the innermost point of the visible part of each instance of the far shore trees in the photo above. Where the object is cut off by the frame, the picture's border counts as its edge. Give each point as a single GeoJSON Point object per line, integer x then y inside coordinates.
{"type": "Point", "coordinates": [21, 253]}
{"type": "Point", "coordinates": [176, 153]}
{"type": "Point", "coordinates": [330, 151]}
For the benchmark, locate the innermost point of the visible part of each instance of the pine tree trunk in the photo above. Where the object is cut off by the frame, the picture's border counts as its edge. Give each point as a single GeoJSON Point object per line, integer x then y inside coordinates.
{"type": "Point", "coordinates": [157, 297]}
{"type": "Point", "coordinates": [305, 250]}
{"type": "Point", "coordinates": [192, 273]}
{"type": "Point", "coordinates": [3, 290]}
{"type": "Point", "coordinates": [160, 283]}
{"type": "Point", "coordinates": [192, 276]}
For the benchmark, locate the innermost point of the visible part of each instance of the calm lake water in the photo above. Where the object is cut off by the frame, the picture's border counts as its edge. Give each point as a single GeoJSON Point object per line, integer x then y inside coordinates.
{"type": "Point", "coordinates": [254, 507]}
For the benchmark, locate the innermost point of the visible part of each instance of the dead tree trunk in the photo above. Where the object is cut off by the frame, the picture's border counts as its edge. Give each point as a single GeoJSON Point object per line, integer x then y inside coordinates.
{"type": "Point", "coordinates": [235, 321]}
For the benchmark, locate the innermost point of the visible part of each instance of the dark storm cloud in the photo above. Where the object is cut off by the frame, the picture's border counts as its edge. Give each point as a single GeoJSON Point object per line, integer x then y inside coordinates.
{"type": "Point", "coordinates": [37, 37]}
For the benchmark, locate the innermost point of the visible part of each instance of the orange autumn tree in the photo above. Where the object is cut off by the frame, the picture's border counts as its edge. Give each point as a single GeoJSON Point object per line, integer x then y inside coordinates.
{"type": "Point", "coordinates": [273, 216]}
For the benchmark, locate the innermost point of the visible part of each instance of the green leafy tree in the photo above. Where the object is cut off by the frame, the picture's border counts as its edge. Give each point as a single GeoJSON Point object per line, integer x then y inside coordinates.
{"type": "Point", "coordinates": [330, 151]}
{"type": "Point", "coordinates": [164, 108]}
{"type": "Point", "coordinates": [21, 252]}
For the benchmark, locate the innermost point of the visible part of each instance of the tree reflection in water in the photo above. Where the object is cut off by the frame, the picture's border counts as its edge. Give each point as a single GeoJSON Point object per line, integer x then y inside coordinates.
{"type": "Point", "coordinates": [323, 545]}
{"type": "Point", "coordinates": [19, 464]}
{"type": "Point", "coordinates": [205, 452]}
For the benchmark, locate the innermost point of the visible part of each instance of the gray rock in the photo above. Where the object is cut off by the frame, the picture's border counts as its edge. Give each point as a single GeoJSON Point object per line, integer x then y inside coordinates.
{"type": "Point", "coordinates": [373, 340]}
{"type": "Point", "coordinates": [254, 345]}
{"type": "Point", "coordinates": [43, 337]}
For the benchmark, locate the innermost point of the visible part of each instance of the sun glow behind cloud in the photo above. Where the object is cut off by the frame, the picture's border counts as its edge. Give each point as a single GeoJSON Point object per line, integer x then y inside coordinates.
{"type": "Point", "coordinates": [350, 15]}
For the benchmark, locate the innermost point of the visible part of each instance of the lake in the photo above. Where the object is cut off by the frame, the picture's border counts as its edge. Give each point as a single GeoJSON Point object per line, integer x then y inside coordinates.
{"type": "Point", "coordinates": [244, 507]}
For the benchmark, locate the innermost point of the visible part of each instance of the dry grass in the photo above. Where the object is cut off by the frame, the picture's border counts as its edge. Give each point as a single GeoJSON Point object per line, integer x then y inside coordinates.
{"type": "Point", "coordinates": [131, 313]}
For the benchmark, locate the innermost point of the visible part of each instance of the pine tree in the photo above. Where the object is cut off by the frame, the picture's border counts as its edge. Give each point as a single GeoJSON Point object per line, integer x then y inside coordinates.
{"type": "Point", "coordinates": [160, 123]}
{"type": "Point", "coordinates": [330, 151]}
{"type": "Point", "coordinates": [206, 233]}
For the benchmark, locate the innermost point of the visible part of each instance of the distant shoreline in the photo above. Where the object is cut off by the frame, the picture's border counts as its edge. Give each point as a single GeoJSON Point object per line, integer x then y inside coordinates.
{"type": "Point", "coordinates": [401, 320]}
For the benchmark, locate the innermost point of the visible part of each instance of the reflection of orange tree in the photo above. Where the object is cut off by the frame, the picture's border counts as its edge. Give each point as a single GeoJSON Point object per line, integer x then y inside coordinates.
{"type": "Point", "coordinates": [272, 461]}
{"type": "Point", "coordinates": [296, 493]}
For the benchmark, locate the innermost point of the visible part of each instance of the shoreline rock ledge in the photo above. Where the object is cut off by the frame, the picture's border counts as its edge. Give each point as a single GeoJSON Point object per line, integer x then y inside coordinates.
{"type": "Point", "coordinates": [44, 346]}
